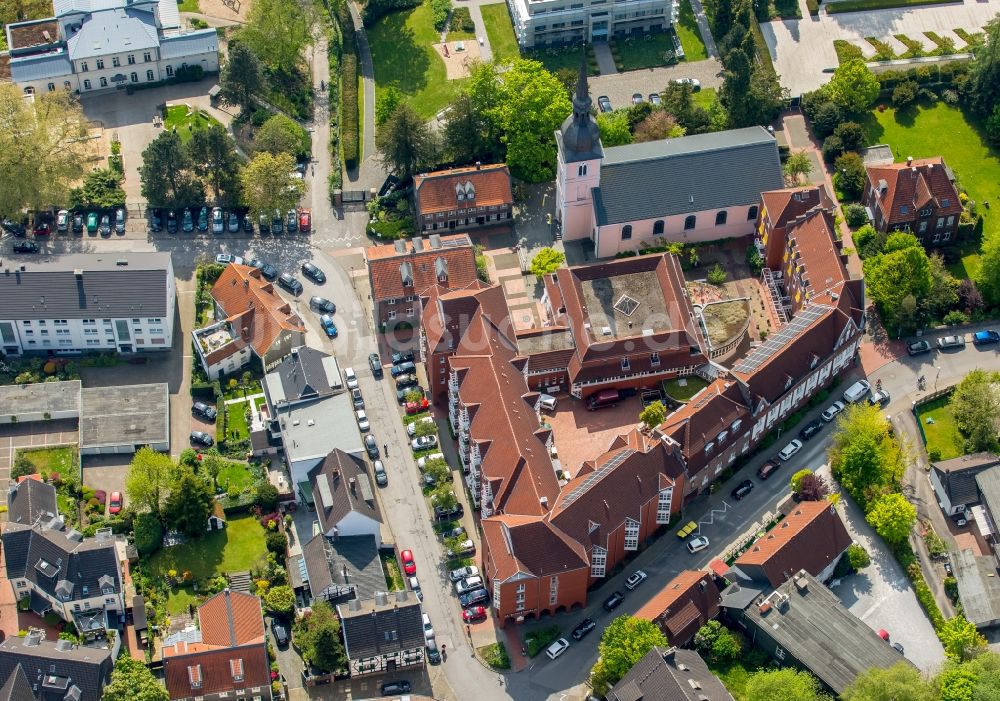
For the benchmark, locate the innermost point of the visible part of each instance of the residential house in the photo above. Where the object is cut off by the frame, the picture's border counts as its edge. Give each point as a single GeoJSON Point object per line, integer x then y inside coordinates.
{"type": "Point", "coordinates": [987, 513]}
{"type": "Point", "coordinates": [954, 480]}
{"type": "Point", "coordinates": [463, 199]}
{"type": "Point", "coordinates": [342, 494]}
{"type": "Point", "coordinates": [339, 568]}
{"type": "Point", "coordinates": [31, 501]}
{"type": "Point", "coordinates": [36, 669]}
{"type": "Point", "coordinates": [669, 674]}
{"type": "Point", "coordinates": [539, 23]}
{"type": "Point", "coordinates": [685, 604]}
{"type": "Point", "coordinates": [691, 189]}
{"type": "Point", "coordinates": [252, 322]}
{"type": "Point", "coordinates": [978, 587]}
{"type": "Point", "coordinates": [224, 657]}
{"type": "Point", "coordinates": [383, 634]}
{"type": "Point", "coordinates": [801, 623]}
{"type": "Point", "coordinates": [402, 275]}
{"type": "Point", "coordinates": [91, 47]}
{"type": "Point", "coordinates": [918, 196]}
{"type": "Point", "coordinates": [83, 302]}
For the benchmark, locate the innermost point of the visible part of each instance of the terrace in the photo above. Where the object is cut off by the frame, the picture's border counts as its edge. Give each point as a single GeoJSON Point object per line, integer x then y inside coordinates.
{"type": "Point", "coordinates": [214, 337]}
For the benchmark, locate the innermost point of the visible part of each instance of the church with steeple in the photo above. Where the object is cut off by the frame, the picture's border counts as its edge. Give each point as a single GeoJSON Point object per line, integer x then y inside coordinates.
{"type": "Point", "coordinates": [703, 187]}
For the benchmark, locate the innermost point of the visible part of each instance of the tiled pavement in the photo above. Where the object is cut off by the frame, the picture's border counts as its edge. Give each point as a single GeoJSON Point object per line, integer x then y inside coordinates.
{"type": "Point", "coordinates": [33, 435]}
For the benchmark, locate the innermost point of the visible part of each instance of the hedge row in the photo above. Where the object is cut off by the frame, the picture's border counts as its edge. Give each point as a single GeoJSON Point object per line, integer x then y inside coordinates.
{"type": "Point", "coordinates": [461, 20]}
{"type": "Point", "coordinates": [336, 43]}
{"type": "Point", "coordinates": [861, 5]}
{"type": "Point", "coordinates": [374, 9]}
{"type": "Point", "coordinates": [349, 134]}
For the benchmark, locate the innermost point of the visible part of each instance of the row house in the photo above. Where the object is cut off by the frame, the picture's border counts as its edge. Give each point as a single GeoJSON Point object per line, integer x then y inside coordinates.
{"type": "Point", "coordinates": [918, 196]}
{"type": "Point", "coordinates": [463, 199]}
{"type": "Point", "coordinates": [685, 604]}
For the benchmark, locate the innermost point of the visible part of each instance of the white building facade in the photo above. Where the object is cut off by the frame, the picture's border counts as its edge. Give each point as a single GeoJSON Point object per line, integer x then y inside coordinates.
{"type": "Point", "coordinates": [555, 22]}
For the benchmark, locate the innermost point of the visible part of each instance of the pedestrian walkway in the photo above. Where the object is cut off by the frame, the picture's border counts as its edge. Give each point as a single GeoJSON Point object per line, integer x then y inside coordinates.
{"type": "Point", "coordinates": [240, 400]}
{"type": "Point", "coordinates": [703, 28]}
{"type": "Point", "coordinates": [368, 109]}
{"type": "Point", "coordinates": [514, 645]}
{"type": "Point", "coordinates": [605, 59]}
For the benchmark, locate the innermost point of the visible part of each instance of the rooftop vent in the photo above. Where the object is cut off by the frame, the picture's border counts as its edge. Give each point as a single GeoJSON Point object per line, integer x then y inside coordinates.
{"type": "Point", "coordinates": [121, 261]}
{"type": "Point", "coordinates": [380, 598]}
{"type": "Point", "coordinates": [78, 272]}
{"type": "Point", "coordinates": [605, 330]}
{"type": "Point", "coordinates": [354, 605]}
{"type": "Point", "coordinates": [802, 584]}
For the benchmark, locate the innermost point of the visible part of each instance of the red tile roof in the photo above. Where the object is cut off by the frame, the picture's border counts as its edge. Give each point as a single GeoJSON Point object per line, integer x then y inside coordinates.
{"type": "Point", "coordinates": [387, 267]}
{"type": "Point", "coordinates": [437, 191]}
{"type": "Point", "coordinates": [703, 419]}
{"type": "Point", "coordinates": [781, 207]}
{"type": "Point", "coordinates": [819, 252]}
{"type": "Point", "coordinates": [810, 538]}
{"type": "Point", "coordinates": [685, 604]}
{"type": "Point", "coordinates": [528, 545]}
{"type": "Point", "coordinates": [921, 183]}
{"type": "Point", "coordinates": [231, 618]}
{"type": "Point", "coordinates": [254, 308]}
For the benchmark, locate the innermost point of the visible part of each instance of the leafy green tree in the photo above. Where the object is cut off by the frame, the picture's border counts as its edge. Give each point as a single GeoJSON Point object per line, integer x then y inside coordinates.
{"type": "Point", "coordinates": [167, 174]}
{"type": "Point", "coordinates": [280, 600]}
{"type": "Point", "coordinates": [148, 533]}
{"type": "Point", "coordinates": [718, 642]}
{"type": "Point", "coordinates": [653, 415]}
{"type": "Point", "coordinates": [389, 98]}
{"type": "Point", "coordinates": [276, 542]}
{"type": "Point", "coordinates": [614, 128]}
{"type": "Point", "coordinates": [993, 126]}
{"type": "Point", "coordinates": [855, 216]}
{"type": "Point", "coordinates": [852, 136]}
{"type": "Point", "coordinates": [425, 428]}
{"type": "Point", "coordinates": [850, 174]}
{"type": "Point", "coordinates": [901, 681]}
{"type": "Point", "coordinates": [131, 680]}
{"type": "Point", "coordinates": [241, 77]}
{"type": "Point", "coordinates": [960, 638]}
{"type": "Point", "coordinates": [658, 125]}
{"type": "Point", "coordinates": [190, 504]}
{"type": "Point", "coordinates": [989, 270]}
{"type": "Point", "coordinates": [957, 683]}
{"type": "Point", "coordinates": [902, 269]}
{"type": "Point", "coordinates": [267, 497]}
{"type": "Point", "coordinates": [797, 165]}
{"type": "Point", "coordinates": [787, 683]}
{"type": "Point", "coordinates": [101, 189]}
{"type": "Point", "coordinates": [19, 10]}
{"type": "Point", "coordinates": [443, 496]}
{"type": "Point", "coordinates": [214, 158]}
{"type": "Point", "coordinates": [796, 480]}
{"type": "Point", "coordinates": [942, 296]}
{"type": "Point", "coordinates": [147, 480]}
{"type": "Point", "coordinates": [892, 517]}
{"type": "Point", "coordinates": [317, 636]}
{"type": "Point", "coordinates": [406, 142]}
{"type": "Point", "coordinates": [863, 456]}
{"type": "Point", "coordinates": [858, 556]}
{"type": "Point", "coordinates": [438, 470]}
{"type": "Point", "coordinates": [280, 134]}
{"type": "Point", "coordinates": [467, 132]}
{"type": "Point", "coordinates": [853, 87]}
{"type": "Point", "coordinates": [278, 31]}
{"type": "Point", "coordinates": [624, 642]}
{"type": "Point", "coordinates": [43, 148]}
{"type": "Point", "coordinates": [211, 465]}
{"type": "Point", "coordinates": [976, 408]}
{"type": "Point", "coordinates": [268, 183]}
{"type": "Point", "coordinates": [678, 100]}
{"type": "Point", "coordinates": [525, 104]}
{"type": "Point", "coordinates": [547, 261]}
{"type": "Point", "coordinates": [984, 73]}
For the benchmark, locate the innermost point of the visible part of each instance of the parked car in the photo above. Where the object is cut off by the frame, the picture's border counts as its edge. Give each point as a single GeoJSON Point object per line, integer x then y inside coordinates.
{"type": "Point", "coordinates": [267, 271]}
{"type": "Point", "coordinates": [312, 271]}
{"type": "Point", "coordinates": [41, 228]}
{"type": "Point", "coordinates": [277, 222]}
{"type": "Point", "coordinates": [468, 584]}
{"type": "Point", "coordinates": [422, 461]}
{"type": "Point", "coordinates": [329, 328]}
{"type": "Point", "coordinates": [428, 627]}
{"type": "Point", "coordinates": [856, 392]}
{"type": "Point", "coordinates": [371, 446]}
{"type": "Point", "coordinates": [409, 566]}
{"type": "Point", "coordinates": [408, 380]}
{"type": "Point", "coordinates": [119, 221]}
{"type": "Point", "coordinates": [602, 400]}
{"type": "Point", "coordinates": [696, 544]}
{"type": "Point", "coordinates": [411, 428]}
{"type": "Point", "coordinates": [62, 221]}
{"type": "Point", "coordinates": [557, 648]}
{"type": "Point", "coordinates": [474, 614]}
{"type": "Point", "coordinates": [635, 579]}
{"type": "Point", "coordinates": [375, 363]}
{"type": "Point", "coordinates": [402, 357]}
{"type": "Point", "coordinates": [115, 505]}
{"type": "Point", "coordinates": [204, 411]}
{"type": "Point", "coordinates": [104, 229]}
{"type": "Point", "coordinates": [465, 548]}
{"type": "Point", "coordinates": [654, 99]}
{"type": "Point", "coordinates": [403, 368]}
{"type": "Point", "coordinates": [171, 222]}
{"type": "Point", "coordinates": [443, 514]}
{"type": "Point", "coordinates": [247, 223]}
{"type": "Point", "coordinates": [381, 476]}
{"type": "Point", "coordinates": [811, 429]}
{"type": "Point", "coordinates": [741, 490]}
{"type": "Point", "coordinates": [350, 378]}
{"type": "Point", "coordinates": [424, 443]}
{"type": "Point", "coordinates": [768, 469]}
{"type": "Point", "coordinates": [898, 647]}
{"type": "Point", "coordinates": [201, 438]}
{"type": "Point", "coordinates": [227, 258]}
{"type": "Point", "coordinates": [322, 304]}
{"type": "Point", "coordinates": [547, 402]}
{"type": "Point", "coordinates": [263, 224]}
{"type": "Point", "coordinates": [417, 406]}
{"type": "Point", "coordinates": [403, 392]}
{"type": "Point", "coordinates": [879, 397]}
{"type": "Point", "coordinates": [22, 246]}
{"type": "Point", "coordinates": [981, 338]}
{"type": "Point", "coordinates": [91, 222]}
{"type": "Point", "coordinates": [203, 219]}
{"type": "Point", "coordinates": [291, 221]}
{"type": "Point", "coordinates": [280, 633]}
{"type": "Point", "coordinates": [290, 283]}
{"type": "Point", "coordinates": [233, 223]}
{"type": "Point", "coordinates": [14, 228]}
{"type": "Point", "coordinates": [357, 399]}
{"type": "Point", "coordinates": [946, 342]}
{"type": "Point", "coordinates": [395, 688]}
{"type": "Point", "coordinates": [918, 347]}
{"type": "Point", "coordinates": [471, 598]}
{"type": "Point", "coordinates": [604, 104]}
{"type": "Point", "coordinates": [218, 223]}
{"type": "Point", "coordinates": [157, 222]}
{"type": "Point", "coordinates": [637, 98]}
{"type": "Point", "coordinates": [187, 222]}
{"type": "Point", "coordinates": [583, 629]}
{"type": "Point", "coordinates": [463, 572]}
{"type": "Point", "coordinates": [305, 221]}
{"type": "Point", "coordinates": [456, 532]}
{"type": "Point", "coordinates": [362, 419]}
{"type": "Point", "coordinates": [613, 601]}
{"type": "Point", "coordinates": [414, 585]}
{"type": "Point", "coordinates": [830, 413]}
{"type": "Point", "coordinates": [433, 654]}
{"type": "Point", "coordinates": [693, 82]}
{"type": "Point", "coordinates": [794, 446]}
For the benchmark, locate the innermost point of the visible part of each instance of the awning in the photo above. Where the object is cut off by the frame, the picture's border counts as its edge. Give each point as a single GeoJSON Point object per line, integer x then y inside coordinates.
{"type": "Point", "coordinates": [982, 520]}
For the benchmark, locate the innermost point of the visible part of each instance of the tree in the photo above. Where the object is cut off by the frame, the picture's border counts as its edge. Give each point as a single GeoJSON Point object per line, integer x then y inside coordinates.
{"type": "Point", "coordinates": [525, 105]}
{"type": "Point", "coordinates": [268, 183]}
{"type": "Point", "coordinates": [278, 30]}
{"type": "Point", "coordinates": [317, 636]}
{"type": "Point", "coordinates": [267, 497]}
{"type": "Point", "coordinates": [993, 126]}
{"type": "Point", "coordinates": [853, 87]}
{"type": "Point", "coordinates": [942, 296]}
{"type": "Point", "coordinates": [813, 488]}
{"type": "Point", "coordinates": [852, 136]}
{"type": "Point", "coordinates": [214, 158]}
{"type": "Point", "coordinates": [406, 142]}
{"type": "Point", "coordinates": [905, 93]}
{"type": "Point", "coordinates": [43, 149]}
{"type": "Point", "coordinates": [796, 480]}
{"type": "Point", "coordinates": [970, 298]}
{"type": "Point", "coordinates": [850, 174]}
{"type": "Point", "coordinates": [658, 125]}
{"type": "Point", "coordinates": [976, 408]}
{"type": "Point", "coordinates": [241, 77]}
{"type": "Point", "coordinates": [280, 134]}
{"type": "Point", "coordinates": [276, 542]}
{"type": "Point", "coordinates": [863, 456]}
{"type": "Point", "coordinates": [148, 533]}
{"type": "Point", "coordinates": [212, 465]}
{"type": "Point", "coordinates": [614, 128]}
{"type": "Point", "coordinates": [892, 517]}
{"type": "Point", "coordinates": [443, 496]}
{"type": "Point", "coordinates": [190, 504]}
{"type": "Point", "coordinates": [424, 428]}
{"type": "Point", "coordinates": [653, 415]}
{"type": "Point", "coordinates": [624, 642]}
{"type": "Point", "coordinates": [131, 680]}
{"type": "Point", "coordinates": [438, 470]}
{"type": "Point", "coordinates": [389, 98]}
{"type": "Point", "coordinates": [166, 173]}
{"type": "Point", "coordinates": [855, 216]}
{"type": "Point", "coordinates": [101, 189]}
{"type": "Point", "coordinates": [858, 556]}
{"type": "Point", "coordinates": [547, 261]}
{"type": "Point", "coordinates": [280, 600]}
{"type": "Point", "coordinates": [984, 73]}
{"type": "Point", "coordinates": [787, 683]}
{"type": "Point", "coordinates": [989, 270]}
{"type": "Point", "coordinates": [467, 136]}
{"type": "Point", "coordinates": [718, 642]}
{"type": "Point", "coordinates": [960, 638]}
{"type": "Point", "coordinates": [678, 100]}
{"type": "Point", "coordinates": [957, 683]}
{"type": "Point", "coordinates": [902, 269]}
{"type": "Point", "coordinates": [825, 119]}
{"type": "Point", "coordinates": [147, 479]}
{"type": "Point", "coordinates": [901, 681]}
{"type": "Point", "coordinates": [798, 164]}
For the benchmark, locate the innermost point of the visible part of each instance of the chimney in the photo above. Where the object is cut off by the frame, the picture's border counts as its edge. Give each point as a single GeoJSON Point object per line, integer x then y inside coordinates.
{"type": "Point", "coordinates": [479, 165]}
{"type": "Point", "coordinates": [418, 244]}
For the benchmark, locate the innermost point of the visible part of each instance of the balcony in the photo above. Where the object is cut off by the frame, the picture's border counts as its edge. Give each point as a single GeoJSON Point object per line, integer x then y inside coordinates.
{"type": "Point", "coordinates": [775, 288]}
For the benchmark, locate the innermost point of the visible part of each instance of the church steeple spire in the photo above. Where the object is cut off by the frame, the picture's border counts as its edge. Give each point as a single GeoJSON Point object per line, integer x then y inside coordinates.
{"type": "Point", "coordinates": [580, 135]}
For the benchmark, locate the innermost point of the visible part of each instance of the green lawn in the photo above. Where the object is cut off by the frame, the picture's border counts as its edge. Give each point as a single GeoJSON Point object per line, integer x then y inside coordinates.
{"type": "Point", "coordinates": [687, 32]}
{"type": "Point", "coordinates": [237, 391]}
{"type": "Point", "coordinates": [940, 429]}
{"type": "Point", "coordinates": [556, 59]}
{"type": "Point", "coordinates": [694, 384]}
{"type": "Point", "coordinates": [180, 600]}
{"type": "Point", "coordinates": [500, 31]}
{"type": "Point", "coordinates": [236, 420]}
{"type": "Point", "coordinates": [234, 549]}
{"type": "Point", "coordinates": [60, 459]}
{"type": "Point", "coordinates": [402, 51]}
{"type": "Point", "coordinates": [863, 5]}
{"type": "Point", "coordinates": [188, 6]}
{"type": "Point", "coordinates": [706, 97]}
{"type": "Point", "coordinates": [390, 567]}
{"type": "Point", "coordinates": [178, 119]}
{"type": "Point", "coordinates": [647, 51]}
{"type": "Point", "coordinates": [235, 473]}
{"type": "Point", "coordinates": [919, 132]}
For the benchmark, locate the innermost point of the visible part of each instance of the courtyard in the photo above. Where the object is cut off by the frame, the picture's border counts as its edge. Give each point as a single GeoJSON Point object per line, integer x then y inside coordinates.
{"type": "Point", "coordinates": [582, 435]}
{"type": "Point", "coordinates": [14, 437]}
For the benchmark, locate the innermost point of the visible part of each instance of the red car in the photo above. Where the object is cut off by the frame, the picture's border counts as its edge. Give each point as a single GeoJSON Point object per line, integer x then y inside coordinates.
{"type": "Point", "coordinates": [42, 229]}
{"type": "Point", "coordinates": [417, 407]}
{"type": "Point", "coordinates": [474, 613]}
{"type": "Point", "coordinates": [116, 503]}
{"type": "Point", "coordinates": [409, 566]}
{"type": "Point", "coordinates": [305, 221]}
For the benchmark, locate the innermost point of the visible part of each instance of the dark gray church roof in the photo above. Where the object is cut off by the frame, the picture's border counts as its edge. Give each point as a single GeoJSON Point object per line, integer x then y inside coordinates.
{"type": "Point", "coordinates": [690, 174]}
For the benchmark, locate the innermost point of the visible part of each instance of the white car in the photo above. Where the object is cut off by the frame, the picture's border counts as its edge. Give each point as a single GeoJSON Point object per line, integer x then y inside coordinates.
{"type": "Point", "coordinates": [415, 588]}
{"type": "Point", "coordinates": [463, 573]}
{"type": "Point", "coordinates": [557, 648]}
{"type": "Point", "coordinates": [635, 579]}
{"type": "Point", "coordinates": [696, 544]}
{"type": "Point", "coordinates": [831, 411]}
{"type": "Point", "coordinates": [468, 584]}
{"type": "Point", "coordinates": [422, 462]}
{"type": "Point", "coordinates": [362, 420]}
{"type": "Point", "coordinates": [789, 450]}
{"type": "Point", "coordinates": [411, 428]}
{"type": "Point", "coordinates": [423, 443]}
{"type": "Point", "coordinates": [428, 628]}
{"type": "Point", "coordinates": [218, 225]}
{"type": "Point", "coordinates": [350, 378]}
{"type": "Point", "coordinates": [227, 258]}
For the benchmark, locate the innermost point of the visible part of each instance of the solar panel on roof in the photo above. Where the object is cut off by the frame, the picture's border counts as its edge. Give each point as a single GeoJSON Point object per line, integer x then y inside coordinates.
{"type": "Point", "coordinates": [597, 476]}
{"type": "Point", "coordinates": [776, 341]}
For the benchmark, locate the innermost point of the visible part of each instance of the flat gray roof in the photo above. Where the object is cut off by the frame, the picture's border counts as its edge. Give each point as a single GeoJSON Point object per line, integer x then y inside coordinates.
{"type": "Point", "coordinates": [978, 586]}
{"type": "Point", "coordinates": [124, 415]}
{"type": "Point", "coordinates": [40, 397]}
{"type": "Point", "coordinates": [312, 429]}
{"type": "Point", "coordinates": [608, 300]}
{"type": "Point", "coordinates": [988, 482]}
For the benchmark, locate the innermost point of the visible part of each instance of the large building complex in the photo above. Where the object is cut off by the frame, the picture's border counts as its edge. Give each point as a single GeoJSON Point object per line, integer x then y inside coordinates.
{"type": "Point", "coordinates": [94, 45]}
{"type": "Point", "coordinates": [554, 22]}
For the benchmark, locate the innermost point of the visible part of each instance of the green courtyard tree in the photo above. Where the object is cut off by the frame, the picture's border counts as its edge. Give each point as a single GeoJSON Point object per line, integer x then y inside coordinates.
{"type": "Point", "coordinates": [101, 189]}
{"type": "Point", "coordinates": [858, 556]}
{"type": "Point", "coordinates": [957, 683]}
{"type": "Point", "coordinates": [167, 175]}
{"type": "Point", "coordinates": [660, 124]}
{"type": "Point", "coordinates": [438, 470]}
{"type": "Point", "coordinates": [989, 270]}
{"type": "Point", "coordinates": [902, 269]}
{"type": "Point", "coordinates": [268, 182]}
{"type": "Point", "coordinates": [892, 517]}
{"type": "Point", "coordinates": [148, 533]}
{"type": "Point", "coordinates": [190, 503]}
{"type": "Point", "coordinates": [406, 142]}
{"type": "Point", "coordinates": [214, 159]}
{"type": "Point", "coordinates": [280, 134]}
{"type": "Point", "coordinates": [960, 639]}
{"type": "Point", "coordinates": [614, 128]}
{"type": "Point", "coordinates": [317, 636]}
{"type": "Point", "coordinates": [241, 77]}
{"type": "Point", "coordinates": [797, 165]}
{"type": "Point", "coordinates": [444, 496]}
{"type": "Point", "coordinates": [467, 132]}
{"type": "Point", "coordinates": [424, 428]}
{"type": "Point", "coordinates": [850, 174]}
{"type": "Point", "coordinates": [278, 31]}
{"type": "Point", "coordinates": [147, 480]}
{"type": "Point", "coordinates": [131, 680]}
{"type": "Point", "coordinates": [389, 98]}
{"type": "Point", "coordinates": [624, 642]}
{"type": "Point", "coordinates": [717, 642]}
{"type": "Point", "coordinates": [863, 456]}
{"type": "Point", "coordinates": [901, 681]}
{"type": "Point", "coordinates": [547, 261]}
{"type": "Point", "coordinates": [853, 87]}
{"type": "Point", "coordinates": [280, 600]}
{"type": "Point", "coordinates": [976, 408]}
{"type": "Point", "coordinates": [787, 683]}
{"type": "Point", "coordinates": [653, 415]}
{"type": "Point", "coordinates": [678, 100]}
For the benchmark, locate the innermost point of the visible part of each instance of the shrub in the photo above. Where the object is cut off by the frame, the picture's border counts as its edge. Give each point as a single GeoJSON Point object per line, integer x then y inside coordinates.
{"type": "Point", "coordinates": [267, 496]}
{"type": "Point", "coordinates": [461, 19]}
{"type": "Point", "coordinates": [538, 640]}
{"type": "Point", "coordinates": [276, 542]}
{"type": "Point", "coordinates": [375, 9]}
{"type": "Point", "coordinates": [851, 135]}
{"type": "Point", "coordinates": [832, 148]}
{"type": "Point", "coordinates": [439, 13]}
{"type": "Point", "coordinates": [280, 600]}
{"type": "Point", "coordinates": [904, 94]}
{"type": "Point", "coordinates": [827, 116]}
{"type": "Point", "coordinates": [717, 275]}
{"type": "Point", "coordinates": [858, 556]}
{"type": "Point", "coordinates": [349, 130]}
{"type": "Point", "coordinates": [855, 215]}
{"type": "Point", "coordinates": [955, 317]}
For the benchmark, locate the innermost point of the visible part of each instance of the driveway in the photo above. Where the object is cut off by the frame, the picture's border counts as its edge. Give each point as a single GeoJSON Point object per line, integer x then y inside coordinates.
{"type": "Point", "coordinates": [620, 87]}
{"type": "Point", "coordinates": [106, 472]}
{"type": "Point", "coordinates": [802, 49]}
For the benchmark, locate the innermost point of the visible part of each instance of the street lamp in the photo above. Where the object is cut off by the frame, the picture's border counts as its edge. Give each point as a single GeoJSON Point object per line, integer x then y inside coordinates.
{"type": "Point", "coordinates": [936, 377]}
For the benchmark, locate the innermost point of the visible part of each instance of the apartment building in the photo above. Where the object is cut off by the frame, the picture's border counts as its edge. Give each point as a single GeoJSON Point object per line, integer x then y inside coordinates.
{"type": "Point", "coordinates": [74, 303]}
{"type": "Point", "coordinates": [918, 196]}
{"type": "Point", "coordinates": [554, 22]}
{"type": "Point", "coordinates": [71, 672]}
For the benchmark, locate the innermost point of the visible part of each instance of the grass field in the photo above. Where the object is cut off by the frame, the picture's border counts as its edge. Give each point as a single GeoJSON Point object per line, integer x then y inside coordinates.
{"type": "Point", "coordinates": [178, 119]}
{"type": "Point", "coordinates": [234, 549]}
{"type": "Point", "coordinates": [403, 57]}
{"type": "Point", "coordinates": [180, 600]}
{"type": "Point", "coordinates": [683, 393]}
{"type": "Point", "coordinates": [706, 97]}
{"type": "Point", "coordinates": [940, 429]}
{"type": "Point", "coordinates": [236, 421]}
{"type": "Point", "coordinates": [555, 59]}
{"type": "Point", "coordinates": [61, 459]}
{"type": "Point", "coordinates": [188, 6]}
{"type": "Point", "coordinates": [646, 51]}
{"type": "Point", "coordinates": [235, 473]}
{"type": "Point", "coordinates": [500, 31]}
{"type": "Point", "coordinates": [687, 32]}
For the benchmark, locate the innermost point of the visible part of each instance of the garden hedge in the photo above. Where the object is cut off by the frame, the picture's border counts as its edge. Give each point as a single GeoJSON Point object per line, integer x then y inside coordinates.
{"type": "Point", "coordinates": [349, 132]}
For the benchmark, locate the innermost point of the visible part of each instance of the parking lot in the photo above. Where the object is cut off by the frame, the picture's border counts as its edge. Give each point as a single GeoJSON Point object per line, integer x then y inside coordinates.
{"type": "Point", "coordinates": [37, 434]}
{"type": "Point", "coordinates": [106, 472]}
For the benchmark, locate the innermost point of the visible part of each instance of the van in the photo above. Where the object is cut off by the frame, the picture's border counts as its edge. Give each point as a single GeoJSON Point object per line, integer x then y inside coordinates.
{"type": "Point", "coordinates": [547, 402]}
{"type": "Point", "coordinates": [603, 399]}
{"type": "Point", "coordinates": [557, 648]}
{"type": "Point", "coordinates": [856, 392]}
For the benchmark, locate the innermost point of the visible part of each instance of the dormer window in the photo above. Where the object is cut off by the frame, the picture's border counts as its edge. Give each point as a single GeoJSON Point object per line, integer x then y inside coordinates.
{"type": "Point", "coordinates": [460, 192]}
{"type": "Point", "coordinates": [441, 270]}
{"type": "Point", "coordinates": [470, 190]}
{"type": "Point", "coordinates": [194, 676]}
{"type": "Point", "coordinates": [406, 274]}
{"type": "Point", "coordinates": [236, 669]}
{"type": "Point", "coordinates": [625, 365]}
{"type": "Point", "coordinates": [709, 447]}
